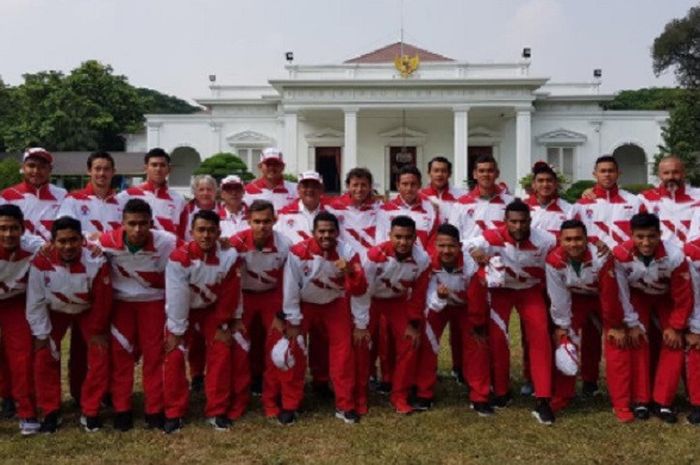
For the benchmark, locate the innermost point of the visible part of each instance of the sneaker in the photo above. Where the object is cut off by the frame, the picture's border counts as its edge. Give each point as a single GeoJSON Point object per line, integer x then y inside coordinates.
{"type": "Point", "coordinates": [154, 420]}
{"type": "Point", "coordinates": [50, 423]}
{"type": "Point", "coordinates": [543, 412]}
{"type": "Point", "coordinates": [123, 421]}
{"type": "Point", "coordinates": [527, 389]}
{"type": "Point", "coordinates": [91, 424]}
{"type": "Point", "coordinates": [589, 389]}
{"type": "Point", "coordinates": [172, 425]}
{"type": "Point", "coordinates": [384, 388]}
{"type": "Point", "coordinates": [666, 414]}
{"type": "Point", "coordinates": [29, 426]}
{"type": "Point", "coordinates": [694, 415]}
{"type": "Point", "coordinates": [322, 390]}
{"type": "Point", "coordinates": [287, 417]}
{"type": "Point", "coordinates": [641, 412]}
{"type": "Point", "coordinates": [457, 375]}
{"type": "Point", "coordinates": [220, 423]}
{"type": "Point", "coordinates": [256, 386]}
{"type": "Point", "coordinates": [483, 409]}
{"type": "Point", "coordinates": [501, 401]}
{"type": "Point", "coordinates": [8, 408]}
{"type": "Point", "coordinates": [349, 416]}
{"type": "Point", "coordinates": [197, 384]}
{"type": "Point", "coordinates": [422, 404]}
{"type": "Point", "coordinates": [624, 415]}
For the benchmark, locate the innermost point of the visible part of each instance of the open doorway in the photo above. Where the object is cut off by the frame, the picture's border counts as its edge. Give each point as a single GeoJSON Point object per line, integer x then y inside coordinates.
{"type": "Point", "coordinates": [328, 166]}
{"type": "Point", "coordinates": [398, 158]}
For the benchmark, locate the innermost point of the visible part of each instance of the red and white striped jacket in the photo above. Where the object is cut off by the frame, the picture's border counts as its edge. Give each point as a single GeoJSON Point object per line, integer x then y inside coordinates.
{"type": "Point", "coordinates": [68, 288]}
{"type": "Point", "coordinates": [195, 279]}
{"type": "Point", "coordinates": [139, 276]}
{"type": "Point", "coordinates": [674, 209]}
{"type": "Point", "coordinates": [357, 224]}
{"type": "Point", "coordinates": [548, 217]}
{"type": "Point", "coordinates": [296, 222]}
{"type": "Point", "coordinates": [310, 275]}
{"type": "Point", "coordinates": [40, 206]}
{"type": "Point", "coordinates": [607, 217]}
{"type": "Point", "coordinates": [666, 274]}
{"type": "Point", "coordinates": [14, 266]}
{"type": "Point", "coordinates": [390, 278]}
{"type": "Point", "coordinates": [233, 223]}
{"type": "Point", "coordinates": [261, 269]}
{"type": "Point", "coordinates": [456, 280]}
{"type": "Point", "coordinates": [473, 214]}
{"type": "Point", "coordinates": [513, 264]}
{"type": "Point", "coordinates": [95, 214]}
{"type": "Point", "coordinates": [443, 200]}
{"type": "Point", "coordinates": [595, 276]}
{"type": "Point", "coordinates": [184, 224]}
{"type": "Point", "coordinates": [692, 252]}
{"type": "Point", "coordinates": [280, 195]}
{"type": "Point", "coordinates": [422, 212]}
{"type": "Point", "coordinates": [165, 203]}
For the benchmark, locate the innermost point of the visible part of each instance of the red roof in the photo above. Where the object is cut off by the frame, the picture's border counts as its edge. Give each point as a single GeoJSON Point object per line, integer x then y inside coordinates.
{"type": "Point", "coordinates": [390, 52]}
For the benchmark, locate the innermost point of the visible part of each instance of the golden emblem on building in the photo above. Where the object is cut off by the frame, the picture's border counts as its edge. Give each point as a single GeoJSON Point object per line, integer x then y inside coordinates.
{"type": "Point", "coordinates": [406, 65]}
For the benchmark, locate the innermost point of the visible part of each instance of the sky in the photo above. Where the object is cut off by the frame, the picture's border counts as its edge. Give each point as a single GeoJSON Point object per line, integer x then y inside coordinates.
{"type": "Point", "coordinates": [174, 45]}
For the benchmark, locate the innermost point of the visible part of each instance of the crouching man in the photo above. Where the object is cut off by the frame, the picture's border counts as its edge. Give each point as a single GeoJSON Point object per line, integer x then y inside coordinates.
{"type": "Point", "coordinates": [69, 285]}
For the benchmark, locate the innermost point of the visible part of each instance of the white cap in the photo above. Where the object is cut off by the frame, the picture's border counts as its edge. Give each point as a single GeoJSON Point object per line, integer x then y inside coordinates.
{"type": "Point", "coordinates": [310, 176]}
{"type": "Point", "coordinates": [567, 358]}
{"type": "Point", "coordinates": [231, 179]}
{"type": "Point", "coordinates": [271, 153]}
{"type": "Point", "coordinates": [38, 152]}
{"type": "Point", "coordinates": [282, 355]}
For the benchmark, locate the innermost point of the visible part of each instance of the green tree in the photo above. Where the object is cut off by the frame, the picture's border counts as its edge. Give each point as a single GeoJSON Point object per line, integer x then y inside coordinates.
{"type": "Point", "coordinates": [682, 135]}
{"type": "Point", "coordinates": [223, 164]}
{"type": "Point", "coordinates": [678, 47]}
{"type": "Point", "coordinates": [156, 102]}
{"type": "Point", "coordinates": [655, 98]}
{"type": "Point", "coordinates": [9, 172]}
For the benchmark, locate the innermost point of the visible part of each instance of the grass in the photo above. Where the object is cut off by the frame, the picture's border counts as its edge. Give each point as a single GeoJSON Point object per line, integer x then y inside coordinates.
{"type": "Point", "coordinates": [450, 434]}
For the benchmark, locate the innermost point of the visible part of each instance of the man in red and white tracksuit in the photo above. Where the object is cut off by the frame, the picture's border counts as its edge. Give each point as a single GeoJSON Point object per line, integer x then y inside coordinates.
{"type": "Point", "coordinates": [263, 253]}
{"type": "Point", "coordinates": [138, 256]}
{"type": "Point", "coordinates": [69, 286]}
{"type": "Point", "coordinates": [204, 198]}
{"type": "Point", "coordinates": [579, 283]}
{"type": "Point", "coordinates": [202, 286]}
{"type": "Point", "coordinates": [271, 185]}
{"type": "Point", "coordinates": [408, 203]}
{"type": "Point", "coordinates": [232, 211]}
{"type": "Point", "coordinates": [653, 279]}
{"type": "Point", "coordinates": [39, 200]}
{"type": "Point", "coordinates": [17, 249]}
{"type": "Point", "coordinates": [454, 293]}
{"type": "Point", "coordinates": [398, 273]}
{"type": "Point", "coordinates": [165, 203]}
{"type": "Point", "coordinates": [515, 275]}
{"type": "Point", "coordinates": [319, 276]}
{"type": "Point", "coordinates": [692, 252]}
{"type": "Point", "coordinates": [547, 210]}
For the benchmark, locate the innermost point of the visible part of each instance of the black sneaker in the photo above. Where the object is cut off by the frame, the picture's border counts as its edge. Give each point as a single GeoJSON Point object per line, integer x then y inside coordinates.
{"type": "Point", "coordinates": [483, 409]}
{"type": "Point", "coordinates": [172, 425]}
{"type": "Point", "coordinates": [641, 412]}
{"type": "Point", "coordinates": [666, 414]}
{"type": "Point", "coordinates": [256, 386]}
{"type": "Point", "coordinates": [457, 375]}
{"type": "Point", "coordinates": [154, 420]}
{"type": "Point", "coordinates": [543, 412]}
{"type": "Point", "coordinates": [422, 404]}
{"type": "Point", "coordinates": [323, 391]}
{"type": "Point", "coordinates": [589, 389]}
{"type": "Point", "coordinates": [50, 423]}
{"type": "Point", "coordinates": [8, 408]}
{"type": "Point", "coordinates": [350, 416]}
{"type": "Point", "coordinates": [197, 384]}
{"type": "Point", "coordinates": [384, 388]}
{"type": "Point", "coordinates": [287, 417]}
{"type": "Point", "coordinates": [91, 424]}
{"type": "Point", "coordinates": [501, 401]}
{"type": "Point", "coordinates": [123, 421]}
{"type": "Point", "coordinates": [220, 423]}
{"type": "Point", "coordinates": [694, 415]}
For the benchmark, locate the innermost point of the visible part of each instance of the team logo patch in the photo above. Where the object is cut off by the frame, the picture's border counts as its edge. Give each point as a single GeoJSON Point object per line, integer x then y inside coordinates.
{"type": "Point", "coordinates": [290, 222]}
{"type": "Point", "coordinates": [589, 213]}
{"type": "Point", "coordinates": [470, 212]}
{"type": "Point", "coordinates": [47, 280]}
{"type": "Point", "coordinates": [85, 210]}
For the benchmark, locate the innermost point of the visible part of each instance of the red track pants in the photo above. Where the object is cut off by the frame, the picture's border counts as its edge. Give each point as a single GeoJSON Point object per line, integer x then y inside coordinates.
{"type": "Point", "coordinates": [17, 351]}
{"type": "Point", "coordinates": [196, 352]}
{"type": "Point", "coordinates": [259, 310]}
{"type": "Point", "coordinates": [48, 366]}
{"type": "Point", "coordinates": [137, 327]}
{"type": "Point", "coordinates": [693, 376]}
{"type": "Point", "coordinates": [591, 348]}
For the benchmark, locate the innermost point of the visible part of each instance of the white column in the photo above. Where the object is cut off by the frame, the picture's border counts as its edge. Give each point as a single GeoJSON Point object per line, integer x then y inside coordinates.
{"type": "Point", "coordinates": [523, 147]}
{"type": "Point", "coordinates": [215, 140]}
{"type": "Point", "coordinates": [153, 135]}
{"type": "Point", "coordinates": [291, 125]}
{"type": "Point", "coordinates": [349, 159]}
{"type": "Point", "coordinates": [461, 146]}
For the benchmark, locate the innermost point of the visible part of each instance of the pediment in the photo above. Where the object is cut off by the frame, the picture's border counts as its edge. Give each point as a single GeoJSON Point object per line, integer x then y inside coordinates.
{"type": "Point", "coordinates": [562, 136]}
{"type": "Point", "coordinates": [326, 133]}
{"type": "Point", "coordinates": [250, 137]}
{"type": "Point", "coordinates": [402, 131]}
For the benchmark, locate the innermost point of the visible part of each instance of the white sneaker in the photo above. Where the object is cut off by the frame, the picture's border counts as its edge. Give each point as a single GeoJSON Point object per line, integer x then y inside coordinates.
{"type": "Point", "coordinates": [29, 426]}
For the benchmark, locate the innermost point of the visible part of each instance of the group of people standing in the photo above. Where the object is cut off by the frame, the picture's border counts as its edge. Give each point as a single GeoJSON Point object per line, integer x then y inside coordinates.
{"type": "Point", "coordinates": [241, 289]}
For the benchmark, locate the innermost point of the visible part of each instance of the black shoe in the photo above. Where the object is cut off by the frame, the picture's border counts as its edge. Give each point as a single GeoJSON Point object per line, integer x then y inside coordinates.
{"type": "Point", "coordinates": [155, 420]}
{"type": "Point", "coordinates": [350, 416]}
{"type": "Point", "coordinates": [665, 414]}
{"type": "Point", "coordinates": [384, 388]}
{"type": "Point", "coordinates": [197, 384]}
{"type": "Point", "coordinates": [501, 401]}
{"type": "Point", "coordinates": [457, 375]}
{"type": "Point", "coordinates": [220, 423]}
{"type": "Point", "coordinates": [172, 425]}
{"type": "Point", "coordinates": [483, 409]}
{"type": "Point", "coordinates": [641, 412]}
{"type": "Point", "coordinates": [256, 386]}
{"type": "Point", "coordinates": [287, 417]}
{"type": "Point", "coordinates": [323, 391]}
{"type": "Point", "coordinates": [8, 409]}
{"type": "Point", "coordinates": [50, 423]}
{"type": "Point", "coordinates": [694, 415]}
{"type": "Point", "coordinates": [589, 389]}
{"type": "Point", "coordinates": [123, 421]}
{"type": "Point", "coordinates": [422, 404]}
{"type": "Point", "coordinates": [543, 412]}
{"type": "Point", "coordinates": [91, 424]}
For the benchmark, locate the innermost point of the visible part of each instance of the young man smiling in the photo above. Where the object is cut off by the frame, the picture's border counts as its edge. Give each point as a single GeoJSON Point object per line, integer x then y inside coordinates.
{"type": "Point", "coordinates": [271, 185]}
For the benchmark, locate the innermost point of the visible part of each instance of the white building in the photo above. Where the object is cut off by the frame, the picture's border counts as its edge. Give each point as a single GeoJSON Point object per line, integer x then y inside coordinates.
{"type": "Point", "coordinates": [363, 112]}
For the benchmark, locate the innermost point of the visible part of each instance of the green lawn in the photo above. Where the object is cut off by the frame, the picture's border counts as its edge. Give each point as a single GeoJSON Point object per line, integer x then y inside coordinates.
{"type": "Point", "coordinates": [450, 433]}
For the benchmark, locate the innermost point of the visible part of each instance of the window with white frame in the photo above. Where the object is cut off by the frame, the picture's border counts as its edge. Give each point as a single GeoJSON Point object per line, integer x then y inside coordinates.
{"type": "Point", "coordinates": [562, 158]}
{"type": "Point", "coordinates": [251, 157]}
